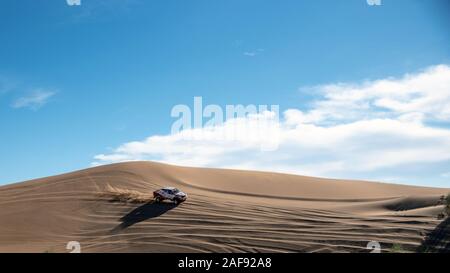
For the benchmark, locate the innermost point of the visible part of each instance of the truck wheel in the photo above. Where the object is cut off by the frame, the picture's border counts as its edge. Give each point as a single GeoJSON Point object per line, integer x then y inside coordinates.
{"type": "Point", "coordinates": [157, 199]}
{"type": "Point", "coordinates": [176, 202]}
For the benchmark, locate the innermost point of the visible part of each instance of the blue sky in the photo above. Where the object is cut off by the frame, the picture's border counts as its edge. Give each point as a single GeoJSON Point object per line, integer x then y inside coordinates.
{"type": "Point", "coordinates": [80, 81]}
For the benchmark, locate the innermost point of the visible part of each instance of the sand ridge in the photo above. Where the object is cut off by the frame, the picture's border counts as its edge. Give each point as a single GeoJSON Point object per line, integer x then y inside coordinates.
{"type": "Point", "coordinates": [226, 211]}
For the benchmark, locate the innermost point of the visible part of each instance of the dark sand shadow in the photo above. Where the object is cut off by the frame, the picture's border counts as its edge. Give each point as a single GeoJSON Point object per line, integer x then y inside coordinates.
{"type": "Point", "coordinates": [438, 241]}
{"type": "Point", "coordinates": [147, 211]}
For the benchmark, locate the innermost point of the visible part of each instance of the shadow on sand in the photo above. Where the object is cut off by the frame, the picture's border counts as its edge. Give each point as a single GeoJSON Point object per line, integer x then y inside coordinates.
{"type": "Point", "coordinates": [438, 241]}
{"type": "Point", "coordinates": [147, 211]}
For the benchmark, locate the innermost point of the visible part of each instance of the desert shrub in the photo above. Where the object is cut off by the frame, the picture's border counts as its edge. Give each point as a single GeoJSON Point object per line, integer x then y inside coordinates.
{"type": "Point", "coordinates": [397, 248]}
{"type": "Point", "coordinates": [441, 216]}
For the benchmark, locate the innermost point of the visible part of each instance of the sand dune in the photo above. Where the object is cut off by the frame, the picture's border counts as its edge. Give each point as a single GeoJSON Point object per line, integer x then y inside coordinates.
{"type": "Point", "coordinates": [106, 210]}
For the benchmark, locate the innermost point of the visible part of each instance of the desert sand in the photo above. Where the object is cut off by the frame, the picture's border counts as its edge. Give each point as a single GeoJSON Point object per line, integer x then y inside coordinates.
{"type": "Point", "coordinates": [109, 209]}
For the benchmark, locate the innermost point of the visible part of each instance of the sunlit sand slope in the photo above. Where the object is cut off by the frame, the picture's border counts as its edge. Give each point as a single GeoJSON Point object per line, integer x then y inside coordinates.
{"type": "Point", "coordinates": [109, 209]}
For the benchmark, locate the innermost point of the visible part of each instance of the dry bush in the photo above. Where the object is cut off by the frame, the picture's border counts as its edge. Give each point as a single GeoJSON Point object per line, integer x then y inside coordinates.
{"type": "Point", "coordinates": [125, 195]}
{"type": "Point", "coordinates": [397, 248]}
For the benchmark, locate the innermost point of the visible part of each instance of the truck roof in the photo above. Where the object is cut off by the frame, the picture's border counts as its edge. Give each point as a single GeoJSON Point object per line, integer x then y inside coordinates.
{"type": "Point", "coordinates": [169, 188]}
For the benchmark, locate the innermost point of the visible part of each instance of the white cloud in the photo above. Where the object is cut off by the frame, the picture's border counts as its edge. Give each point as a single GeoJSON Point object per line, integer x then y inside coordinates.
{"type": "Point", "coordinates": [34, 100]}
{"type": "Point", "coordinates": [362, 128]}
{"type": "Point", "coordinates": [254, 52]}
{"type": "Point", "coordinates": [250, 54]}
{"type": "Point", "coordinates": [426, 94]}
